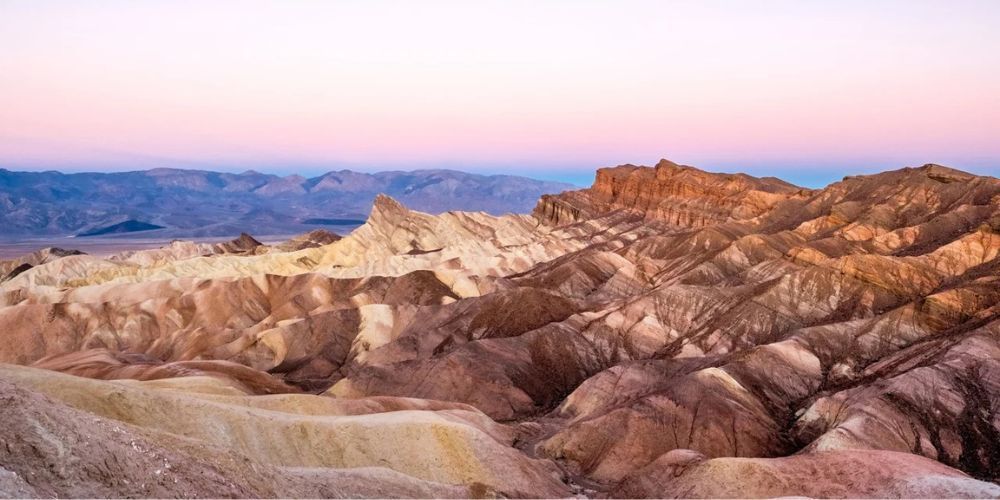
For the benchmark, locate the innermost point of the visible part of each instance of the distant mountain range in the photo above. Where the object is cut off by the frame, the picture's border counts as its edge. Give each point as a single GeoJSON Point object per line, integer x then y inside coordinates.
{"type": "Point", "coordinates": [193, 203]}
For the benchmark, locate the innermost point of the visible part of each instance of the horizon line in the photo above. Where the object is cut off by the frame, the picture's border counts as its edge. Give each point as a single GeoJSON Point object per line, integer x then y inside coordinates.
{"type": "Point", "coordinates": [814, 179]}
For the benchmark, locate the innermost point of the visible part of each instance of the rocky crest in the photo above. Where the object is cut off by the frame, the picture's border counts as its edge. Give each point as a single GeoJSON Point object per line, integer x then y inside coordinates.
{"type": "Point", "coordinates": [666, 332]}
{"type": "Point", "coordinates": [677, 194]}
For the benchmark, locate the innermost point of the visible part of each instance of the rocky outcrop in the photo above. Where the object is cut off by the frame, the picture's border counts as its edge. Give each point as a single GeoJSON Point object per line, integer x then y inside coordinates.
{"type": "Point", "coordinates": [677, 194]}
{"type": "Point", "coordinates": [12, 267]}
{"type": "Point", "coordinates": [312, 239]}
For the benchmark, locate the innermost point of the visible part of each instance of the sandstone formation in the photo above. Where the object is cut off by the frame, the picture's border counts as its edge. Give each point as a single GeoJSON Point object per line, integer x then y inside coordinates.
{"type": "Point", "coordinates": [678, 194]}
{"type": "Point", "coordinates": [666, 332]}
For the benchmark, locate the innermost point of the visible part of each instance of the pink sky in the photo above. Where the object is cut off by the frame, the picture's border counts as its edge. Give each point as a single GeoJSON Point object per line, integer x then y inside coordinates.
{"type": "Point", "coordinates": [559, 86]}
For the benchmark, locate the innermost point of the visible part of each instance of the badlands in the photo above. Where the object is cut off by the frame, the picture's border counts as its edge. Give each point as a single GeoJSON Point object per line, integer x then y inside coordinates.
{"type": "Point", "coordinates": [667, 332]}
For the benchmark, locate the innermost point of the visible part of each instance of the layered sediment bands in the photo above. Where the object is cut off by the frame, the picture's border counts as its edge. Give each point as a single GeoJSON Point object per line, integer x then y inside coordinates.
{"type": "Point", "coordinates": [564, 208]}
{"type": "Point", "coordinates": [666, 332]}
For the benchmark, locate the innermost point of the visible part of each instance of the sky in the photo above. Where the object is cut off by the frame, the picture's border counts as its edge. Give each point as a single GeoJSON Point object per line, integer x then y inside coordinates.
{"type": "Point", "coordinates": [806, 90]}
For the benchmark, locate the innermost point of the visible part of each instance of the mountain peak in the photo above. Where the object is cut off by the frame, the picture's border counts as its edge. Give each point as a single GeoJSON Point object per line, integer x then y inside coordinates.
{"type": "Point", "coordinates": [387, 210]}
{"type": "Point", "coordinates": [386, 202]}
{"type": "Point", "coordinates": [945, 174]}
{"type": "Point", "coordinates": [665, 163]}
{"type": "Point", "coordinates": [246, 241]}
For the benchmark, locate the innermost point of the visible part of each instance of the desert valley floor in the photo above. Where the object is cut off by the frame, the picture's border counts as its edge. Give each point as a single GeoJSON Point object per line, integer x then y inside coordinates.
{"type": "Point", "coordinates": [667, 332]}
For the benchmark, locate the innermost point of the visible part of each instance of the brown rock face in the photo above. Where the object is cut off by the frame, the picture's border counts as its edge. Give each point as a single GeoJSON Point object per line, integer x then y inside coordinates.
{"type": "Point", "coordinates": [666, 332]}
{"type": "Point", "coordinates": [677, 194]}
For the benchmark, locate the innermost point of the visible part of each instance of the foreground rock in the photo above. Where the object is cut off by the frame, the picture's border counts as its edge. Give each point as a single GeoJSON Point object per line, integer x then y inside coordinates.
{"type": "Point", "coordinates": [79, 437]}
